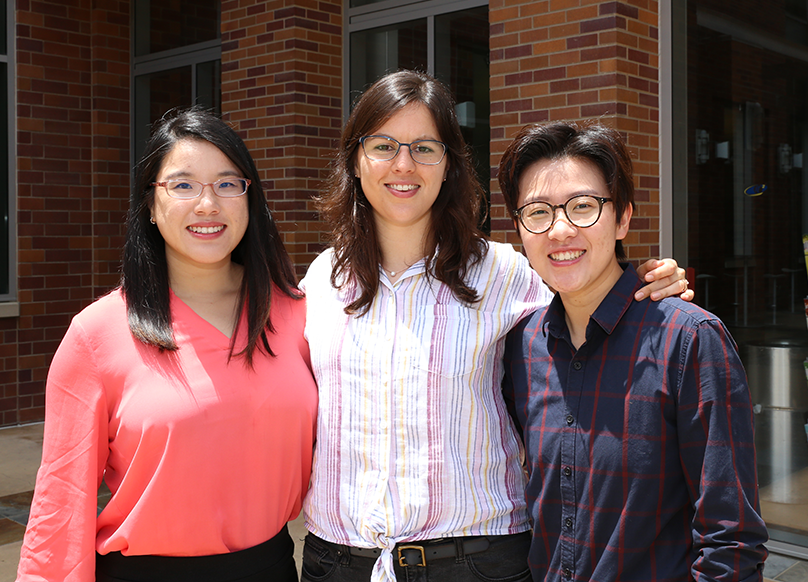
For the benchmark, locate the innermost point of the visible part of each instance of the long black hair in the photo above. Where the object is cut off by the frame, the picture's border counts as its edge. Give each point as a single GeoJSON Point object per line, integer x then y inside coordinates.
{"type": "Point", "coordinates": [261, 252]}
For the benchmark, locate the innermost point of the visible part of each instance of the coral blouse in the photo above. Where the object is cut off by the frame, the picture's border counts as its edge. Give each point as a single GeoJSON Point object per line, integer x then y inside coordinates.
{"type": "Point", "coordinates": [202, 456]}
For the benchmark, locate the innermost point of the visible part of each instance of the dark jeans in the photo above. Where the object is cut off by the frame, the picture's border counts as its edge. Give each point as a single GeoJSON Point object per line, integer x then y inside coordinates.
{"type": "Point", "coordinates": [504, 561]}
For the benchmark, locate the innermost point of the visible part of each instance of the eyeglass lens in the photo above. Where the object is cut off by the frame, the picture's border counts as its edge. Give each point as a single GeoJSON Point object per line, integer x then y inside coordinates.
{"type": "Point", "coordinates": [581, 211]}
{"type": "Point", "coordinates": [226, 188]}
{"type": "Point", "coordinates": [425, 151]}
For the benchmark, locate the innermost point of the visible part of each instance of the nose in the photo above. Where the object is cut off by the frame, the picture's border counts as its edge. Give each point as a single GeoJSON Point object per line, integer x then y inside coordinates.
{"type": "Point", "coordinates": [207, 201]}
{"type": "Point", "coordinates": [561, 228]}
{"type": "Point", "coordinates": [402, 160]}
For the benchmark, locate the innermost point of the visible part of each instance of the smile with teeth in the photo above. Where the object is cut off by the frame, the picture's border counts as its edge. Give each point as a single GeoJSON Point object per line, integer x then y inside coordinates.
{"type": "Point", "coordinates": [566, 255]}
{"type": "Point", "coordinates": [403, 187]}
{"type": "Point", "coordinates": [206, 229]}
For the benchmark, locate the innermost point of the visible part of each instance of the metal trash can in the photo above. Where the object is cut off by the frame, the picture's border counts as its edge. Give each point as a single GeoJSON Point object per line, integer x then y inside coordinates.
{"type": "Point", "coordinates": [777, 382]}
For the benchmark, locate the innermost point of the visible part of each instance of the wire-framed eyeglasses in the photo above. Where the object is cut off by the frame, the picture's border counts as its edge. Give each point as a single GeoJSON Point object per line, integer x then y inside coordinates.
{"type": "Point", "coordinates": [381, 148]}
{"type": "Point", "coordinates": [185, 189]}
{"type": "Point", "coordinates": [582, 211]}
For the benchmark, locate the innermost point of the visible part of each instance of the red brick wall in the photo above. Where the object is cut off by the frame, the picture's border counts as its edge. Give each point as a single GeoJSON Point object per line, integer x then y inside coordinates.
{"type": "Point", "coordinates": [282, 87]}
{"type": "Point", "coordinates": [72, 173]}
{"type": "Point", "coordinates": [574, 60]}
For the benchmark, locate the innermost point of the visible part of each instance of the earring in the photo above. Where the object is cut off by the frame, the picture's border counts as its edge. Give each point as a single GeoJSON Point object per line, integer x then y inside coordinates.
{"type": "Point", "coordinates": [151, 219]}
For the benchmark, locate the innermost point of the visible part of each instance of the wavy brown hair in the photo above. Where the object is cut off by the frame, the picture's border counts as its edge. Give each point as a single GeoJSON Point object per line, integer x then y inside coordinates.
{"type": "Point", "coordinates": [455, 241]}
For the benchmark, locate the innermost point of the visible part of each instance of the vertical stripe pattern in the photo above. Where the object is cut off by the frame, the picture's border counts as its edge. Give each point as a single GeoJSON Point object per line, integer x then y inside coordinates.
{"type": "Point", "coordinates": [414, 441]}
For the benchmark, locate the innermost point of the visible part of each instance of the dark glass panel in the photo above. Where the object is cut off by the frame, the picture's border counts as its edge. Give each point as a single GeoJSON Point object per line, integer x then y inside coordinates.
{"type": "Point", "coordinates": [747, 213]}
{"type": "Point", "coordinates": [208, 85]}
{"type": "Point", "coordinates": [171, 24]}
{"type": "Point", "coordinates": [379, 51]}
{"type": "Point", "coordinates": [461, 54]}
{"type": "Point", "coordinates": [154, 95]}
{"type": "Point", "coordinates": [4, 194]}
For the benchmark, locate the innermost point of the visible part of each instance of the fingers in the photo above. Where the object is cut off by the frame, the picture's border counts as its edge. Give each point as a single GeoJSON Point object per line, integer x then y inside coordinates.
{"type": "Point", "coordinates": [665, 279]}
{"type": "Point", "coordinates": [662, 269]}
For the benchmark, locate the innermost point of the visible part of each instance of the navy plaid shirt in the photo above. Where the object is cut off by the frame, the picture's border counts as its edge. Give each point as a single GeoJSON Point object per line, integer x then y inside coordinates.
{"type": "Point", "coordinates": [639, 446]}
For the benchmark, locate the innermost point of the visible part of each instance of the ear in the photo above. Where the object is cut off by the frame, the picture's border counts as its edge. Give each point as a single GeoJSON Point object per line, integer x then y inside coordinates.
{"type": "Point", "coordinates": [625, 220]}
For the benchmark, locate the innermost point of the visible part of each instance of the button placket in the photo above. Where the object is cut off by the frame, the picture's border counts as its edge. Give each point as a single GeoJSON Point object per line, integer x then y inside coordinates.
{"type": "Point", "coordinates": [569, 496]}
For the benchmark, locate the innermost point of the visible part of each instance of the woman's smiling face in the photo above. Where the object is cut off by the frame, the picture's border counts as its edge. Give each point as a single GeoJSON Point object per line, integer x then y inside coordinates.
{"type": "Point", "coordinates": [574, 261]}
{"type": "Point", "coordinates": [402, 191]}
{"type": "Point", "coordinates": [201, 232]}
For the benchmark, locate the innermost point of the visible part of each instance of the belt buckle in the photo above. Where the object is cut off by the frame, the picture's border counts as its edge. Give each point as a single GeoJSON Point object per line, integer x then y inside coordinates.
{"type": "Point", "coordinates": [401, 558]}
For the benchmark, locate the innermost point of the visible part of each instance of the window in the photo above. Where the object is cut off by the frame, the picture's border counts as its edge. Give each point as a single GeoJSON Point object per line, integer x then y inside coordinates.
{"type": "Point", "coordinates": [177, 62]}
{"type": "Point", "coordinates": [8, 246]}
{"type": "Point", "coordinates": [741, 219]}
{"type": "Point", "coordinates": [446, 39]}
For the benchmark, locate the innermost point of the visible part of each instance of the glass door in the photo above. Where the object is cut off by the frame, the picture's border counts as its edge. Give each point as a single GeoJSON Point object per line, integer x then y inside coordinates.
{"type": "Point", "coordinates": [746, 201]}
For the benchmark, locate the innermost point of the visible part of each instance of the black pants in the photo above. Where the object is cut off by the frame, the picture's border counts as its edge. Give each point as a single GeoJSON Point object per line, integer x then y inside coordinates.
{"type": "Point", "coordinates": [505, 560]}
{"type": "Point", "coordinates": [271, 561]}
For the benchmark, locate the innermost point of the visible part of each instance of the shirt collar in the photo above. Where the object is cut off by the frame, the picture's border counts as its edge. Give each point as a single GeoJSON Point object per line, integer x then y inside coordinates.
{"type": "Point", "coordinates": [414, 269]}
{"type": "Point", "coordinates": [608, 313]}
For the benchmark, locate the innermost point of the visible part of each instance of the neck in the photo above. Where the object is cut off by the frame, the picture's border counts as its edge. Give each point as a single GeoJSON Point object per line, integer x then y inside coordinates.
{"type": "Point", "coordinates": [579, 306]}
{"type": "Point", "coordinates": [400, 248]}
{"type": "Point", "coordinates": [214, 283]}
{"type": "Point", "coordinates": [212, 293]}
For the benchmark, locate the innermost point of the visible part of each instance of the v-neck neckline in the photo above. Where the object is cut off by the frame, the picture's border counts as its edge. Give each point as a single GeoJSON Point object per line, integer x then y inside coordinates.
{"type": "Point", "coordinates": [205, 322]}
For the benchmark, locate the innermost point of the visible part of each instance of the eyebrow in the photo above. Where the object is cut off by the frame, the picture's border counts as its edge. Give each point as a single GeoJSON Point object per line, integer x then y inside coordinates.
{"type": "Point", "coordinates": [594, 193]}
{"type": "Point", "coordinates": [186, 174]}
{"type": "Point", "coordinates": [413, 141]}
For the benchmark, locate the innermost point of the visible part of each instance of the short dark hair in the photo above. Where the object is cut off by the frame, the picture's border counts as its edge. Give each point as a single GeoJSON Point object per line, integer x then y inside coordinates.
{"type": "Point", "coordinates": [601, 145]}
{"type": "Point", "coordinates": [144, 279]}
{"type": "Point", "coordinates": [455, 240]}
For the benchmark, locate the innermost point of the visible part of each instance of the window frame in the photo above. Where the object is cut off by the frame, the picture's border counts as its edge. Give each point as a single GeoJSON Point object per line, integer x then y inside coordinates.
{"type": "Point", "coordinates": [192, 55]}
{"type": "Point", "coordinates": [392, 12]}
{"type": "Point", "coordinates": [9, 305]}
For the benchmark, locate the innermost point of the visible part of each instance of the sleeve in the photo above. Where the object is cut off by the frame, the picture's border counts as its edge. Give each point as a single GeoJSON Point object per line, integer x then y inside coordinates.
{"type": "Point", "coordinates": [514, 382]}
{"type": "Point", "coordinates": [509, 286]}
{"type": "Point", "coordinates": [318, 274]}
{"type": "Point", "coordinates": [717, 450]}
{"type": "Point", "coordinates": [59, 542]}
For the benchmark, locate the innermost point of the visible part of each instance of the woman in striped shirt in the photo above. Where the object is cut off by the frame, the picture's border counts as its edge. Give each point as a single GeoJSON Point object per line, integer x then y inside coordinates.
{"type": "Point", "coordinates": [417, 469]}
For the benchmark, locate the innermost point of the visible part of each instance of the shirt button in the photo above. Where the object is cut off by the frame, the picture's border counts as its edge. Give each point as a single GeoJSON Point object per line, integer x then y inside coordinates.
{"type": "Point", "coordinates": [577, 365]}
{"type": "Point", "coordinates": [570, 419]}
{"type": "Point", "coordinates": [567, 471]}
{"type": "Point", "coordinates": [567, 573]}
{"type": "Point", "coordinates": [568, 523]}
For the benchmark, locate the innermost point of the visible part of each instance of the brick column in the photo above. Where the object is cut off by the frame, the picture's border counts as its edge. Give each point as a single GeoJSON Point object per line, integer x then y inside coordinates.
{"type": "Point", "coordinates": [72, 176]}
{"type": "Point", "coordinates": [281, 88]}
{"type": "Point", "coordinates": [569, 60]}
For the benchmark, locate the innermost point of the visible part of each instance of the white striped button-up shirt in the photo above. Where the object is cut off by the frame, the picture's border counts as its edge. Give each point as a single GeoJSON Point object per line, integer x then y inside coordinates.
{"type": "Point", "coordinates": [413, 438]}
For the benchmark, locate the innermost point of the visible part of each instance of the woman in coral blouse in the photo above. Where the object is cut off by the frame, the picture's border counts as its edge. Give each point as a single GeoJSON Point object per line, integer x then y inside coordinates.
{"type": "Point", "coordinates": [188, 390]}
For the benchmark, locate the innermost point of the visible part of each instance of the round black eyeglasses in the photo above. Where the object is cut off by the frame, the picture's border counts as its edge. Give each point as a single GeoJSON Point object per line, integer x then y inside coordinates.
{"type": "Point", "coordinates": [581, 211]}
